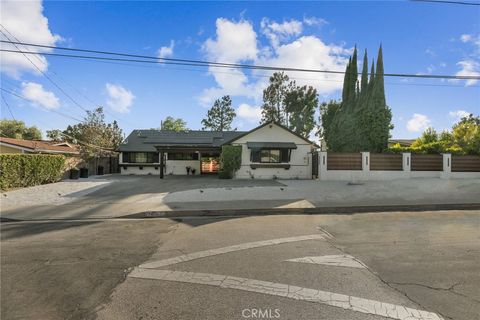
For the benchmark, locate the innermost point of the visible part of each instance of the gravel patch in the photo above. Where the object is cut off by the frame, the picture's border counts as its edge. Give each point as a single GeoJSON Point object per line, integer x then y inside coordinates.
{"type": "Point", "coordinates": [51, 194]}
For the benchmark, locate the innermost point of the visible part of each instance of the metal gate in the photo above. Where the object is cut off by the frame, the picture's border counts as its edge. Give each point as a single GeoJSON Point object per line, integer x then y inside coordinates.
{"type": "Point", "coordinates": [314, 165]}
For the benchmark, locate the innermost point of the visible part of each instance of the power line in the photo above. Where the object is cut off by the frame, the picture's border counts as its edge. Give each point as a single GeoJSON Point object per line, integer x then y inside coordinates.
{"type": "Point", "coordinates": [450, 2]}
{"type": "Point", "coordinates": [43, 73]}
{"type": "Point", "coordinates": [8, 106]}
{"type": "Point", "coordinates": [71, 86]}
{"type": "Point", "coordinates": [64, 115]}
{"type": "Point", "coordinates": [268, 76]}
{"type": "Point", "coordinates": [50, 110]}
{"type": "Point", "coordinates": [202, 63]}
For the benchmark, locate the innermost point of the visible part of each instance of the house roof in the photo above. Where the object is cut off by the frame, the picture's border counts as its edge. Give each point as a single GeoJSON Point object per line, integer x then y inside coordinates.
{"type": "Point", "coordinates": [403, 142]}
{"type": "Point", "coordinates": [269, 123]}
{"type": "Point", "coordinates": [145, 140]}
{"type": "Point", "coordinates": [41, 145]}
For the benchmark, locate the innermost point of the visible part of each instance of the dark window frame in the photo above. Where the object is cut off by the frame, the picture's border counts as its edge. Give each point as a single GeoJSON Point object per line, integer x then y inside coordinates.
{"type": "Point", "coordinates": [131, 157]}
{"type": "Point", "coordinates": [284, 155]}
{"type": "Point", "coordinates": [182, 156]}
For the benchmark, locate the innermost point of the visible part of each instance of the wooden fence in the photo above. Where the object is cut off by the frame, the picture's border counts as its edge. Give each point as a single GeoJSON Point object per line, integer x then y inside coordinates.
{"type": "Point", "coordinates": [344, 161]}
{"type": "Point", "coordinates": [465, 163]}
{"type": "Point", "coordinates": [386, 162]}
{"type": "Point", "coordinates": [427, 162]}
{"type": "Point", "coordinates": [211, 166]}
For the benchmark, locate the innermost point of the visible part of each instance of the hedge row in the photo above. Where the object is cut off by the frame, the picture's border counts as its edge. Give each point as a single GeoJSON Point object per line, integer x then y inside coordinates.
{"type": "Point", "coordinates": [436, 147]}
{"type": "Point", "coordinates": [25, 170]}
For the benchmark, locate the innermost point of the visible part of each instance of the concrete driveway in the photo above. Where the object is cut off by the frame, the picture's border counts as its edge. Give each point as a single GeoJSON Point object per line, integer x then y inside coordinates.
{"type": "Point", "coordinates": [112, 196]}
{"type": "Point", "coordinates": [118, 196]}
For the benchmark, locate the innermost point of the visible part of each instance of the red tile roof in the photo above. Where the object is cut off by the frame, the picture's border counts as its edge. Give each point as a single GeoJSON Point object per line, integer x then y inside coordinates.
{"type": "Point", "coordinates": [42, 145]}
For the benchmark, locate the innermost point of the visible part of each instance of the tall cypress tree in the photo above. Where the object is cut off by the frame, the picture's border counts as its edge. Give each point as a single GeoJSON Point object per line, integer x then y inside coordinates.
{"type": "Point", "coordinates": [364, 80]}
{"type": "Point", "coordinates": [372, 75]}
{"type": "Point", "coordinates": [379, 86]}
{"type": "Point", "coordinates": [346, 82]}
{"type": "Point", "coordinates": [363, 120]}
{"type": "Point", "coordinates": [380, 115]}
{"type": "Point", "coordinates": [353, 78]}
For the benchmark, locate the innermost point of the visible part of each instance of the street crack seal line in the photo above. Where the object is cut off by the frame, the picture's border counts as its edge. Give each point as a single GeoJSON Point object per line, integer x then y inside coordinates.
{"type": "Point", "coordinates": [238, 247]}
{"type": "Point", "coordinates": [287, 291]}
{"type": "Point", "coordinates": [342, 260]}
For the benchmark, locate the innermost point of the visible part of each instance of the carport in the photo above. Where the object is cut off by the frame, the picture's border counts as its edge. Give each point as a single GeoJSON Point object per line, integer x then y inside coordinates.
{"type": "Point", "coordinates": [183, 149]}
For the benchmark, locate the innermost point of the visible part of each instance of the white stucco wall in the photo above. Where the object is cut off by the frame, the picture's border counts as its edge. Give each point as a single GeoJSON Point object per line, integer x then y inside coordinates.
{"type": "Point", "coordinates": [177, 167]}
{"type": "Point", "coordinates": [136, 170]}
{"type": "Point", "coordinates": [300, 160]}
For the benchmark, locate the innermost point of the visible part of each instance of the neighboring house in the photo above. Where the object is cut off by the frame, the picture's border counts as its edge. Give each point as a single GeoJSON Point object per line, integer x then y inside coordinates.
{"type": "Point", "coordinates": [11, 145]}
{"type": "Point", "coordinates": [268, 151]}
{"type": "Point", "coordinates": [401, 142]}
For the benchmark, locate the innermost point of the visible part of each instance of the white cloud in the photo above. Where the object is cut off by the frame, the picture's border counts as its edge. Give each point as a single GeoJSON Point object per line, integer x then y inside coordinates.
{"type": "Point", "coordinates": [166, 51]}
{"type": "Point", "coordinates": [310, 52]}
{"type": "Point", "coordinates": [237, 41]}
{"type": "Point", "coordinates": [470, 65]}
{"type": "Point", "coordinates": [466, 37]}
{"type": "Point", "coordinates": [25, 21]}
{"type": "Point", "coordinates": [37, 95]}
{"type": "Point", "coordinates": [418, 122]}
{"type": "Point", "coordinates": [279, 32]}
{"type": "Point", "coordinates": [458, 114]}
{"type": "Point", "coordinates": [119, 99]}
{"type": "Point", "coordinates": [469, 68]}
{"type": "Point", "coordinates": [314, 21]}
{"type": "Point", "coordinates": [249, 113]}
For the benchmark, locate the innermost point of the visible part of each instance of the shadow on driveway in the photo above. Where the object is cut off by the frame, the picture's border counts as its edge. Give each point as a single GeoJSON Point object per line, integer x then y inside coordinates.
{"type": "Point", "coordinates": [18, 230]}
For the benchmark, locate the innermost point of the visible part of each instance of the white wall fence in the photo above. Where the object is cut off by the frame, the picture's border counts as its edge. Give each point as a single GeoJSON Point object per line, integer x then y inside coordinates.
{"type": "Point", "coordinates": [430, 166]}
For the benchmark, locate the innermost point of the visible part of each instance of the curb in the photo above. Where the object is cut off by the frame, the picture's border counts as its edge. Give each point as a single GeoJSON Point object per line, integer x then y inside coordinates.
{"type": "Point", "coordinates": [298, 211]}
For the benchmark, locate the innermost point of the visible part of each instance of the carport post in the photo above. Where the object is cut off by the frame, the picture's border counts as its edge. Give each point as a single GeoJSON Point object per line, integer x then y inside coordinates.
{"type": "Point", "coordinates": [161, 164]}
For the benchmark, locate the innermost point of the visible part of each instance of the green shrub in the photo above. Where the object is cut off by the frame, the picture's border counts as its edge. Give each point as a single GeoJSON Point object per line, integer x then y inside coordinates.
{"type": "Point", "coordinates": [230, 161]}
{"type": "Point", "coordinates": [225, 175]}
{"type": "Point", "coordinates": [25, 170]}
{"type": "Point", "coordinates": [435, 147]}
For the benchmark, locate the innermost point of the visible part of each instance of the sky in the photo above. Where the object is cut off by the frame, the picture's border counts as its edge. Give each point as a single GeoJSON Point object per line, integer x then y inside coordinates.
{"type": "Point", "coordinates": [417, 38]}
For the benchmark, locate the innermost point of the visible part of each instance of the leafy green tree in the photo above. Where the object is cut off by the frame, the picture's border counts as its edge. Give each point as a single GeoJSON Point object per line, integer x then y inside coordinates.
{"type": "Point", "coordinates": [428, 136]}
{"type": "Point", "coordinates": [463, 139]}
{"type": "Point", "coordinates": [273, 108]}
{"type": "Point", "coordinates": [55, 135]}
{"type": "Point", "coordinates": [18, 130]}
{"type": "Point", "coordinates": [466, 134]}
{"type": "Point", "coordinates": [300, 105]}
{"type": "Point", "coordinates": [172, 124]}
{"type": "Point", "coordinates": [220, 115]}
{"type": "Point", "coordinates": [328, 126]}
{"type": "Point", "coordinates": [93, 134]}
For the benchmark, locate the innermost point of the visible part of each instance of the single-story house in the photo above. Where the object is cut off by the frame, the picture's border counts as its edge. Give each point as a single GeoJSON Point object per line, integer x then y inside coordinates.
{"type": "Point", "coordinates": [11, 145]}
{"type": "Point", "coordinates": [268, 151]}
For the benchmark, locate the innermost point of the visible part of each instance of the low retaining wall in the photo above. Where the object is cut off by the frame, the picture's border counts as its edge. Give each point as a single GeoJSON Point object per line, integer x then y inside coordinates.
{"type": "Point", "coordinates": [365, 166]}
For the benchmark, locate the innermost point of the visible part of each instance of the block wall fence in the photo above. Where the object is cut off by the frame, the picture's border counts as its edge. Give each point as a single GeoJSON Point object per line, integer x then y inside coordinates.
{"type": "Point", "coordinates": [367, 166]}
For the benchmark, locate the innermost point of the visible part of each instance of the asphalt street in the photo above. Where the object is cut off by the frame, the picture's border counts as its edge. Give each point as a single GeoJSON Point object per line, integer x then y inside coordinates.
{"type": "Point", "coordinates": [360, 266]}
